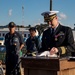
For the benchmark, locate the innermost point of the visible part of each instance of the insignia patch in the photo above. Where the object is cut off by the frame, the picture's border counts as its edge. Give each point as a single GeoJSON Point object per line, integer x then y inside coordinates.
{"type": "Point", "coordinates": [16, 39]}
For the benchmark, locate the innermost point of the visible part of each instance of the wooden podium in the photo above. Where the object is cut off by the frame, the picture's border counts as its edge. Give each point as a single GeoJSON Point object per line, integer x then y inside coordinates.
{"type": "Point", "coordinates": [47, 66]}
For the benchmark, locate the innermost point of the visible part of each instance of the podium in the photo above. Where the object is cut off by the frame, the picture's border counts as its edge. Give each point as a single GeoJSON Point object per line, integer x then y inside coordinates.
{"type": "Point", "coordinates": [47, 66]}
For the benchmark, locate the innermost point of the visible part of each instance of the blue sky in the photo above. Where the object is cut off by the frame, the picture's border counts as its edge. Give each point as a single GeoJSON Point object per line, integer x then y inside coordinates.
{"type": "Point", "coordinates": [11, 10]}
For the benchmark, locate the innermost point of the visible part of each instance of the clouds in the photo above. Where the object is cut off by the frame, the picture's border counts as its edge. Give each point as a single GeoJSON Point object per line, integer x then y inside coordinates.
{"type": "Point", "coordinates": [10, 12]}
{"type": "Point", "coordinates": [62, 16]}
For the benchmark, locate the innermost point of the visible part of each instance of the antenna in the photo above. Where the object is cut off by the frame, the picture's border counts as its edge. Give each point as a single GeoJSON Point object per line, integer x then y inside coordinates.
{"type": "Point", "coordinates": [23, 15]}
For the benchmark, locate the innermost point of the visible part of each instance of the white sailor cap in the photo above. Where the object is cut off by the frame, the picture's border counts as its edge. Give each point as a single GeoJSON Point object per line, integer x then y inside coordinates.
{"type": "Point", "coordinates": [49, 15]}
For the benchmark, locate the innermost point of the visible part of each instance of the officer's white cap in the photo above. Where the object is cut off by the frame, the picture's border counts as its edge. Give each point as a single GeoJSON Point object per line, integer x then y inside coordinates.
{"type": "Point", "coordinates": [49, 13]}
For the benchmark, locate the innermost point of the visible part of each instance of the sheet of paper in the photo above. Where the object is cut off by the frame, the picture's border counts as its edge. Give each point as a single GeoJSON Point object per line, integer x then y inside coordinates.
{"type": "Point", "coordinates": [47, 53]}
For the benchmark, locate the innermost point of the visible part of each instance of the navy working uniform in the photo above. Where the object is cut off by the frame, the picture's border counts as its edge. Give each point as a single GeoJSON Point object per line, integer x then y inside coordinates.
{"type": "Point", "coordinates": [62, 38]}
{"type": "Point", "coordinates": [33, 44]}
{"type": "Point", "coordinates": [13, 43]}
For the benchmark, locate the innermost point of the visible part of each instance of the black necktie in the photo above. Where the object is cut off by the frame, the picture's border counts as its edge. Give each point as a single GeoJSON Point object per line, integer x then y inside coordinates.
{"type": "Point", "coordinates": [52, 32]}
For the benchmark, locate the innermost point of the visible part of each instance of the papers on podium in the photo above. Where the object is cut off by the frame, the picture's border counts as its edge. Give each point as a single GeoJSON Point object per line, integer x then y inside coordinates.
{"type": "Point", "coordinates": [47, 53]}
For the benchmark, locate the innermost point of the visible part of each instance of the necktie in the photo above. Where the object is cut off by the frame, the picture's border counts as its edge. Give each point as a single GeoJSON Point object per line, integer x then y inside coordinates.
{"type": "Point", "coordinates": [52, 32]}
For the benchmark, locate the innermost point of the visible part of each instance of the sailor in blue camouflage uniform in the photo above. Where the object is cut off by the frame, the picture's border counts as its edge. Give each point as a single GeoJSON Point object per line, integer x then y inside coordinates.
{"type": "Point", "coordinates": [14, 44]}
{"type": "Point", "coordinates": [57, 39]}
{"type": "Point", "coordinates": [33, 43]}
